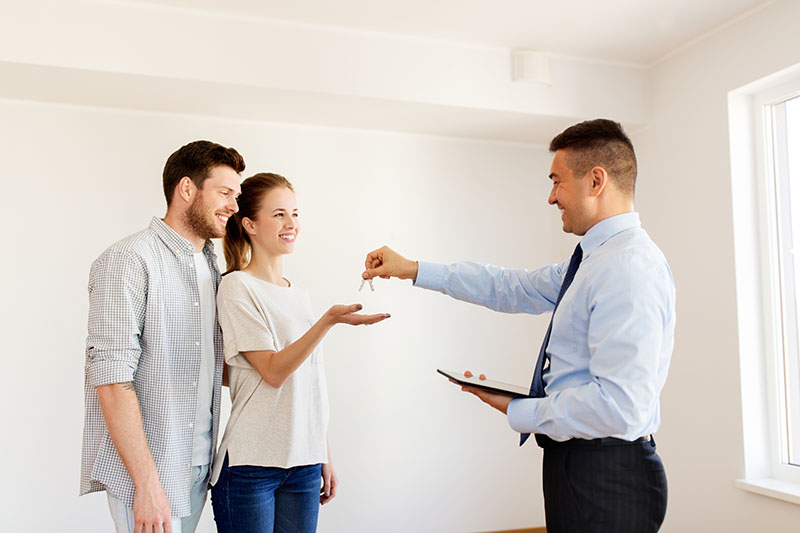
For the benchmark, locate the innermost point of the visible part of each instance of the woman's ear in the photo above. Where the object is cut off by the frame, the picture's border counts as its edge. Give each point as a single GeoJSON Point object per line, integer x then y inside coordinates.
{"type": "Point", "coordinates": [248, 226]}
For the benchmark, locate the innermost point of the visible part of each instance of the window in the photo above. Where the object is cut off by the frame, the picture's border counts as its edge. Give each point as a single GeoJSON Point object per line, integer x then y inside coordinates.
{"type": "Point", "coordinates": [783, 139]}
{"type": "Point", "coordinates": [765, 168]}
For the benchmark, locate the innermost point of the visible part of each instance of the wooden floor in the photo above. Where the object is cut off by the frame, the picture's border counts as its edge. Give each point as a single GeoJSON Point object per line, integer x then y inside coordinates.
{"type": "Point", "coordinates": [528, 530]}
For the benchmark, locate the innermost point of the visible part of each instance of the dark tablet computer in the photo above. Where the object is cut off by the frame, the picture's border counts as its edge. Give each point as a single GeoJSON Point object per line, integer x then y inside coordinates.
{"type": "Point", "coordinates": [494, 386]}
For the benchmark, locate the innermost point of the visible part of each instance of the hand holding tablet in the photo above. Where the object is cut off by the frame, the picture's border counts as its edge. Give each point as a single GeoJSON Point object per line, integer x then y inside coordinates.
{"type": "Point", "coordinates": [497, 387]}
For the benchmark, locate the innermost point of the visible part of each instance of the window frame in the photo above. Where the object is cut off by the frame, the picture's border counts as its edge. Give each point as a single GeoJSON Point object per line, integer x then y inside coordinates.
{"type": "Point", "coordinates": [762, 339]}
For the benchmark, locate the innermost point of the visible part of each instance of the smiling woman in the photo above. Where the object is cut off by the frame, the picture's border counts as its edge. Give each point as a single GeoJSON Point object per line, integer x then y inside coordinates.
{"type": "Point", "coordinates": [274, 454]}
{"type": "Point", "coordinates": [238, 241]}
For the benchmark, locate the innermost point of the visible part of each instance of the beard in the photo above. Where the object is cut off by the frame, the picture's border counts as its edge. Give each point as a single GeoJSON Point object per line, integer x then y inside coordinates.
{"type": "Point", "coordinates": [200, 220]}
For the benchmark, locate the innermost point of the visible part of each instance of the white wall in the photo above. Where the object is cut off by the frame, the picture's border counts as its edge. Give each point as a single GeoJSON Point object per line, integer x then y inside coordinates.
{"type": "Point", "coordinates": [412, 451]}
{"type": "Point", "coordinates": [684, 194]}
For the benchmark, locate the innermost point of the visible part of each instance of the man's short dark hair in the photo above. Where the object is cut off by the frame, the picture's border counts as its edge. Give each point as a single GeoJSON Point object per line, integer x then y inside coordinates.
{"type": "Point", "coordinates": [600, 142]}
{"type": "Point", "coordinates": [196, 160]}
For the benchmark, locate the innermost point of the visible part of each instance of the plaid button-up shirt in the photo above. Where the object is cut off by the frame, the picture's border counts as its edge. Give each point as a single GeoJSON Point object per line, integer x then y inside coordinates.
{"type": "Point", "coordinates": [145, 328]}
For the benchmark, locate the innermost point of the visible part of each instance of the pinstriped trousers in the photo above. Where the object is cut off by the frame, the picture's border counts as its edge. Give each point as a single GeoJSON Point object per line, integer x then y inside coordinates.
{"type": "Point", "coordinates": [603, 486]}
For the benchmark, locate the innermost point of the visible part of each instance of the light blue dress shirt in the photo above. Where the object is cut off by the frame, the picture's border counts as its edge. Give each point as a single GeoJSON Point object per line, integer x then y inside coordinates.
{"type": "Point", "coordinates": [612, 334]}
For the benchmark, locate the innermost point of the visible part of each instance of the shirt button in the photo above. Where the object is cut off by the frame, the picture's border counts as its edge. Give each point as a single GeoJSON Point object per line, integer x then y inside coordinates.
{"type": "Point", "coordinates": [191, 425]}
{"type": "Point", "coordinates": [197, 304]}
{"type": "Point", "coordinates": [194, 384]}
{"type": "Point", "coordinates": [197, 343]}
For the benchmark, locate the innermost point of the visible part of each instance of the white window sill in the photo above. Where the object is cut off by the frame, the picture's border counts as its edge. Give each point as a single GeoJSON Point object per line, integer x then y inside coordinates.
{"type": "Point", "coordinates": [774, 488]}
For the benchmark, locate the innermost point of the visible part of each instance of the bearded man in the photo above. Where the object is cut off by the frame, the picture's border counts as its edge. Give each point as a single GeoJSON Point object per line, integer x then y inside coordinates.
{"type": "Point", "coordinates": [154, 367]}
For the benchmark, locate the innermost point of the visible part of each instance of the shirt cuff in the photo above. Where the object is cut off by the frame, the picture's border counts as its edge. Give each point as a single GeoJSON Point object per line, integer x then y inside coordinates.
{"type": "Point", "coordinates": [518, 414]}
{"type": "Point", "coordinates": [109, 370]}
{"type": "Point", "coordinates": [430, 276]}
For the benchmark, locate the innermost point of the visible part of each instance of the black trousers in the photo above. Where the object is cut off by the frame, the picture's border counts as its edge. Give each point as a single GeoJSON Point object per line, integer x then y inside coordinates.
{"type": "Point", "coordinates": [603, 485]}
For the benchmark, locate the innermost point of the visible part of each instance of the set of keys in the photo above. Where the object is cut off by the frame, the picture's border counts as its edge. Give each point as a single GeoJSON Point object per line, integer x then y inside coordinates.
{"type": "Point", "coordinates": [363, 281]}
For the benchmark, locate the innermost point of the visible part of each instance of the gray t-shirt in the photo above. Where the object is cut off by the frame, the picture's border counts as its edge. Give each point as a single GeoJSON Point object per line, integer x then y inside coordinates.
{"type": "Point", "coordinates": [278, 427]}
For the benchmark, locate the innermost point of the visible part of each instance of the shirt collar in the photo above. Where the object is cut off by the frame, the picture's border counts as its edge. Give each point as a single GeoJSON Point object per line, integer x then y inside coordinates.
{"type": "Point", "coordinates": [176, 243]}
{"type": "Point", "coordinates": [607, 228]}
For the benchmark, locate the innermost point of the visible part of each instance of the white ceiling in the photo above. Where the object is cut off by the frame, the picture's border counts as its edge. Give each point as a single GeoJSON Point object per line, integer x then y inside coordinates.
{"type": "Point", "coordinates": [630, 31]}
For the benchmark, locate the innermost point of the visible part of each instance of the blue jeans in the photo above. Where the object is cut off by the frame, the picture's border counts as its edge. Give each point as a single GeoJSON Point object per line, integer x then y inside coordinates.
{"type": "Point", "coordinates": [259, 499]}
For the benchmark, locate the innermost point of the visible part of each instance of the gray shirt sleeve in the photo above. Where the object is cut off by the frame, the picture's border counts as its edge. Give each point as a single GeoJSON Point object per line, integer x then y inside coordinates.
{"type": "Point", "coordinates": [117, 297]}
{"type": "Point", "coordinates": [245, 326]}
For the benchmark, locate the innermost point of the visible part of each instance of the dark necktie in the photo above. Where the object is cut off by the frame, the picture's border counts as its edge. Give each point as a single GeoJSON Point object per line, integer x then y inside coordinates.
{"type": "Point", "coordinates": [537, 385]}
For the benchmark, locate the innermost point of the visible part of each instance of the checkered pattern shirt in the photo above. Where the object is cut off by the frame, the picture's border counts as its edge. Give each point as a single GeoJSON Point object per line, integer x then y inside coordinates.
{"type": "Point", "coordinates": [145, 328]}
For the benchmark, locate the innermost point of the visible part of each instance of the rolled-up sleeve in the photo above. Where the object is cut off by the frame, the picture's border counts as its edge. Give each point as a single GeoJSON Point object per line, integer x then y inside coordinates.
{"type": "Point", "coordinates": [117, 295]}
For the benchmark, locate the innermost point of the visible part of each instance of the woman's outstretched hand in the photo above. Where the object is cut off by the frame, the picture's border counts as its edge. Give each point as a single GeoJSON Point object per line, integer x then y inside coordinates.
{"type": "Point", "coordinates": [348, 314]}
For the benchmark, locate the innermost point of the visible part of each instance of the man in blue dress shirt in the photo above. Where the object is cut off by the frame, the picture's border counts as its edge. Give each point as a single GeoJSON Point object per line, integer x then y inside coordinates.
{"type": "Point", "coordinates": [604, 361]}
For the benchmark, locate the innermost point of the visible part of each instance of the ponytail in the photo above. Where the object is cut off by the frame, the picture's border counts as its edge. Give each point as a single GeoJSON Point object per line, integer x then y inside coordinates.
{"type": "Point", "coordinates": [235, 245]}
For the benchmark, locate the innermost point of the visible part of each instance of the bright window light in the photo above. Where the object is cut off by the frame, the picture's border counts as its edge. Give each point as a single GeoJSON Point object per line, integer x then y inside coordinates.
{"type": "Point", "coordinates": [785, 154]}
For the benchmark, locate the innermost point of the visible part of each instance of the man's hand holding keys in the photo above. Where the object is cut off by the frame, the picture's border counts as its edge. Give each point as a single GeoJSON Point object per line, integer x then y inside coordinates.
{"type": "Point", "coordinates": [386, 263]}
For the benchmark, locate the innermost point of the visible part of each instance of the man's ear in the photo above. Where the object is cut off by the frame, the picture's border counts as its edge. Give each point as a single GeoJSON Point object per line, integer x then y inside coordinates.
{"type": "Point", "coordinates": [186, 189]}
{"type": "Point", "coordinates": [599, 178]}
